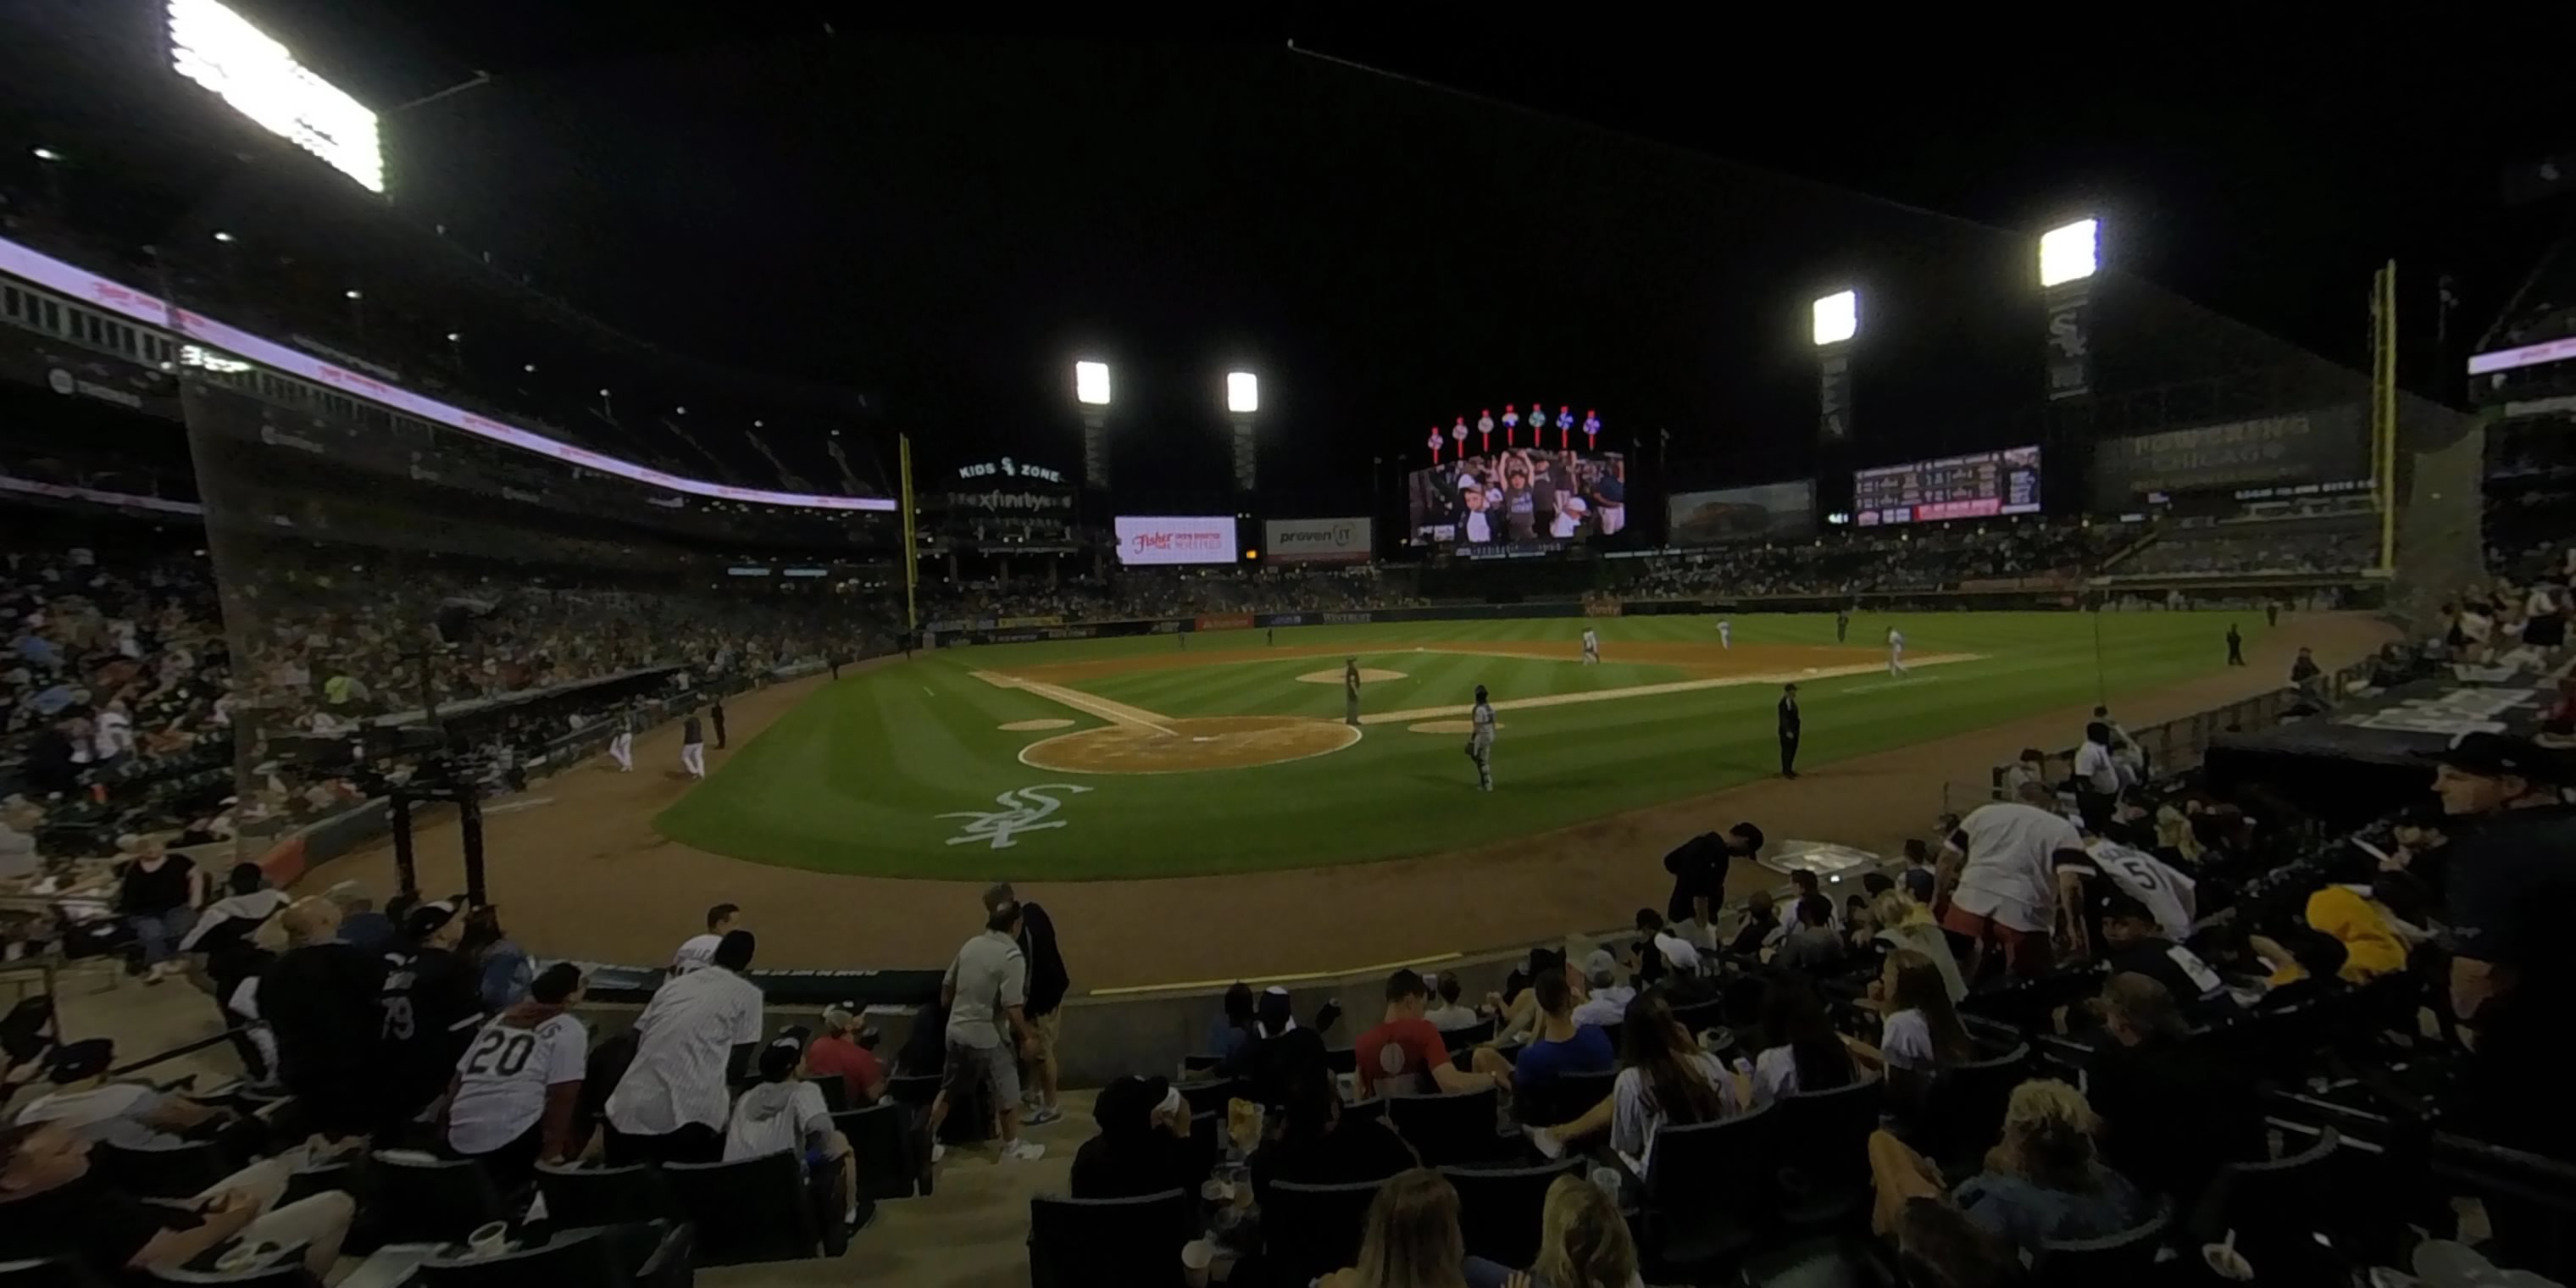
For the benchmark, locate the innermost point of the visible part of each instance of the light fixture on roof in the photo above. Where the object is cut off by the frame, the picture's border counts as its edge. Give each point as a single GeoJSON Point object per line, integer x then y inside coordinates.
{"type": "Point", "coordinates": [2069, 253]}
{"type": "Point", "coordinates": [530, 368]}
{"type": "Point", "coordinates": [1091, 383]}
{"type": "Point", "coordinates": [1837, 318]}
{"type": "Point", "coordinates": [223, 236]}
{"type": "Point", "coordinates": [454, 336]}
{"type": "Point", "coordinates": [47, 154]}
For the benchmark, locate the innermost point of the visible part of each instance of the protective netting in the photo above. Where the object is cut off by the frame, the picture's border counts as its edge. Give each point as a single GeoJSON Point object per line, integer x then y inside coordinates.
{"type": "Point", "coordinates": [451, 559]}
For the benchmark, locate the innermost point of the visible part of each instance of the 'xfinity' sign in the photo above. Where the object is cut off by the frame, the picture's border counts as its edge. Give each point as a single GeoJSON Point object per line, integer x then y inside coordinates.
{"type": "Point", "coordinates": [1009, 468]}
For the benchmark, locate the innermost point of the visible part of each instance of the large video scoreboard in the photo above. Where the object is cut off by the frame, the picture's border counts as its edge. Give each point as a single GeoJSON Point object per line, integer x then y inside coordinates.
{"type": "Point", "coordinates": [1976, 486]}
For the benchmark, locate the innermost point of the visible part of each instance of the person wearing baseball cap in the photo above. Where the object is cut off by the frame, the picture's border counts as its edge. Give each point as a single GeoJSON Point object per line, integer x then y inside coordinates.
{"type": "Point", "coordinates": [784, 1113]}
{"type": "Point", "coordinates": [432, 1003]}
{"type": "Point", "coordinates": [1048, 984]}
{"type": "Point", "coordinates": [840, 1051]}
{"type": "Point", "coordinates": [2511, 878]}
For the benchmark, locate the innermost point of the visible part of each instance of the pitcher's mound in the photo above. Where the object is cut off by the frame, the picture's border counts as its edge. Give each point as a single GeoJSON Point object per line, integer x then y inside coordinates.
{"type": "Point", "coordinates": [1450, 726]}
{"type": "Point", "coordinates": [1181, 746]}
{"type": "Point", "coordinates": [1033, 726]}
{"type": "Point", "coordinates": [1368, 675]}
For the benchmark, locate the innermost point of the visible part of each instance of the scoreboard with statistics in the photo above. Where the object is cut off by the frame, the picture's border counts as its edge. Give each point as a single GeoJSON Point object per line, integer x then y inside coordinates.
{"type": "Point", "coordinates": [1976, 486]}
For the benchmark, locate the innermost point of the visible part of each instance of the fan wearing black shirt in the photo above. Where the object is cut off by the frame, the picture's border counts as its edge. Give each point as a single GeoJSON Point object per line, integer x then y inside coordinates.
{"type": "Point", "coordinates": [320, 1001]}
{"type": "Point", "coordinates": [1281, 1055]}
{"type": "Point", "coordinates": [2132, 944]}
{"type": "Point", "coordinates": [1318, 1146]}
{"type": "Point", "coordinates": [2171, 1113]}
{"type": "Point", "coordinates": [431, 1006]}
{"type": "Point", "coordinates": [1144, 1143]}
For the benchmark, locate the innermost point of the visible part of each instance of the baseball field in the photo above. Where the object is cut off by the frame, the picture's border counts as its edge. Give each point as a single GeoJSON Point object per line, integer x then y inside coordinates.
{"type": "Point", "coordinates": [1227, 751]}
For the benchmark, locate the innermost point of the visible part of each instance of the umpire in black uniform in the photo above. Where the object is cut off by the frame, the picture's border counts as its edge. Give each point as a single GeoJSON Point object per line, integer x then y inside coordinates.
{"type": "Point", "coordinates": [1788, 731]}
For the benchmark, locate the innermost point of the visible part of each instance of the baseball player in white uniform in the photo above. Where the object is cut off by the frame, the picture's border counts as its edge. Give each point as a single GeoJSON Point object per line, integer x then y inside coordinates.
{"type": "Point", "coordinates": [621, 745]}
{"type": "Point", "coordinates": [1591, 646]}
{"type": "Point", "coordinates": [1895, 651]}
{"type": "Point", "coordinates": [1480, 742]}
{"type": "Point", "coordinates": [1725, 634]}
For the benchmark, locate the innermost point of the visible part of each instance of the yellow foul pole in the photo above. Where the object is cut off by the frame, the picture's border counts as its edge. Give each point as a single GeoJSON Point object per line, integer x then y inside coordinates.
{"type": "Point", "coordinates": [911, 541]}
{"type": "Point", "coordinates": [2383, 408]}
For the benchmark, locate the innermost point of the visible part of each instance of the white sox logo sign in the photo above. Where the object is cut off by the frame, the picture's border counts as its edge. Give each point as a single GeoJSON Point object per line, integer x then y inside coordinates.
{"type": "Point", "coordinates": [1023, 810]}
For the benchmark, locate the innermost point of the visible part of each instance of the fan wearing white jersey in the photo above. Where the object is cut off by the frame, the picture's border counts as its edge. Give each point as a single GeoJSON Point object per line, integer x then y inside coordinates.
{"type": "Point", "coordinates": [1591, 646]}
{"type": "Point", "coordinates": [511, 1103]}
{"type": "Point", "coordinates": [2166, 891]}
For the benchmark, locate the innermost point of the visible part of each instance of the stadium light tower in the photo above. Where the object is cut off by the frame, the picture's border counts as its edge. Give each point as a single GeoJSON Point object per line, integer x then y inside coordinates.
{"type": "Point", "coordinates": [1242, 400]}
{"type": "Point", "coordinates": [1835, 322]}
{"type": "Point", "coordinates": [2069, 255]}
{"type": "Point", "coordinates": [1091, 394]}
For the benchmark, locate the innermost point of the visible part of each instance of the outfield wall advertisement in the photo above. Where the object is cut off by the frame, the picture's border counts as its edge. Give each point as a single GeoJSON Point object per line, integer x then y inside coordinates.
{"type": "Point", "coordinates": [2328, 445]}
{"type": "Point", "coordinates": [1765, 512]}
{"type": "Point", "coordinates": [1316, 540]}
{"type": "Point", "coordinates": [1197, 539]}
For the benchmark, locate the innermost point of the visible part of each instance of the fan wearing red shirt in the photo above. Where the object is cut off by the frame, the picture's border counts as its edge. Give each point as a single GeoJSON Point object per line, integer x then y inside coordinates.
{"type": "Point", "coordinates": [1404, 1056]}
{"type": "Point", "coordinates": [837, 1053]}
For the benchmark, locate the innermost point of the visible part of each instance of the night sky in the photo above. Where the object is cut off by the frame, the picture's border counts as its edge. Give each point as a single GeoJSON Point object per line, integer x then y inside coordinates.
{"type": "Point", "coordinates": [1395, 227]}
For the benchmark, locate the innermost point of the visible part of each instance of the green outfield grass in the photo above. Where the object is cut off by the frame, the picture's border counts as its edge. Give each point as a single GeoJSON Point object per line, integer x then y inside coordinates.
{"type": "Point", "coordinates": [856, 779]}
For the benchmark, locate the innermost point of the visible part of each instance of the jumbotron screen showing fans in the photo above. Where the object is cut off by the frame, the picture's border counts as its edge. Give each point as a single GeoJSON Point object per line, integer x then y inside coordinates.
{"type": "Point", "coordinates": [1193, 539]}
{"type": "Point", "coordinates": [1978, 485]}
{"type": "Point", "coordinates": [1520, 497]}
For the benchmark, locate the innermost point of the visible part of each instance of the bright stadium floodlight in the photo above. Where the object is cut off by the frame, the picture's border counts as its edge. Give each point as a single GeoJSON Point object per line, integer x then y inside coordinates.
{"type": "Point", "coordinates": [259, 77]}
{"type": "Point", "coordinates": [1091, 383]}
{"type": "Point", "coordinates": [1242, 392]}
{"type": "Point", "coordinates": [2067, 254]}
{"type": "Point", "coordinates": [1837, 318]}
{"type": "Point", "coordinates": [47, 154]}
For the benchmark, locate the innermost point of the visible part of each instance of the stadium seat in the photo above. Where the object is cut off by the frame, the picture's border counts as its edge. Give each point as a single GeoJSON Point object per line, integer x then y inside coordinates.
{"type": "Point", "coordinates": [305, 1182]}
{"type": "Point", "coordinates": [413, 1198]}
{"type": "Point", "coordinates": [1109, 1243]}
{"type": "Point", "coordinates": [622, 1256]}
{"type": "Point", "coordinates": [1701, 1017]}
{"type": "Point", "coordinates": [1312, 1230]}
{"type": "Point", "coordinates": [751, 1210]}
{"type": "Point", "coordinates": [891, 1149]}
{"type": "Point", "coordinates": [587, 1196]}
{"type": "Point", "coordinates": [1965, 1109]}
{"type": "Point", "coordinates": [1212, 1097]}
{"type": "Point", "coordinates": [173, 1172]}
{"type": "Point", "coordinates": [1844, 1261]}
{"type": "Point", "coordinates": [2123, 1260]}
{"type": "Point", "coordinates": [836, 1093]}
{"type": "Point", "coordinates": [1708, 1188]}
{"type": "Point", "coordinates": [1342, 1059]}
{"type": "Point", "coordinates": [1824, 1160]}
{"type": "Point", "coordinates": [1364, 1111]}
{"type": "Point", "coordinates": [1498, 1208]}
{"type": "Point", "coordinates": [1196, 1064]}
{"type": "Point", "coordinates": [50, 1272]}
{"type": "Point", "coordinates": [1463, 1042]}
{"type": "Point", "coordinates": [1567, 1098]}
{"type": "Point", "coordinates": [1453, 1127]}
{"type": "Point", "coordinates": [2284, 1211]}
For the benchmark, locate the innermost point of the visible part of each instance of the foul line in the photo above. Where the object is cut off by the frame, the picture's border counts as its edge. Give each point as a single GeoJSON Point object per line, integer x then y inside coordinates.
{"type": "Point", "coordinates": [1117, 713]}
{"type": "Point", "coordinates": [1658, 690]}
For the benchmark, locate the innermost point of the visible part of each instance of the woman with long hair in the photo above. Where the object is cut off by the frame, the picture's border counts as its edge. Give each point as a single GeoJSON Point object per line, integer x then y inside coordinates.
{"type": "Point", "coordinates": [2041, 1182]}
{"type": "Point", "coordinates": [1412, 1238]}
{"type": "Point", "coordinates": [1583, 1242]}
{"type": "Point", "coordinates": [1903, 923]}
{"type": "Point", "coordinates": [501, 966]}
{"type": "Point", "coordinates": [1664, 1078]}
{"type": "Point", "coordinates": [1800, 1050]}
{"type": "Point", "coordinates": [1921, 1031]}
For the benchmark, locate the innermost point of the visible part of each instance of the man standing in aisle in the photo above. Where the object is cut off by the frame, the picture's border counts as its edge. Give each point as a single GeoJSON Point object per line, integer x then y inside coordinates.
{"type": "Point", "coordinates": [693, 747]}
{"type": "Point", "coordinates": [715, 713]}
{"type": "Point", "coordinates": [986, 993]}
{"type": "Point", "coordinates": [1895, 651]}
{"type": "Point", "coordinates": [671, 1103]}
{"type": "Point", "coordinates": [1591, 647]}
{"type": "Point", "coordinates": [1788, 731]}
{"type": "Point", "coordinates": [1480, 740]}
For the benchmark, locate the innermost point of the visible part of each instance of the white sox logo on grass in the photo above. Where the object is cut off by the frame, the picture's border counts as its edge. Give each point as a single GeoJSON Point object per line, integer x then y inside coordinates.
{"type": "Point", "coordinates": [1023, 810]}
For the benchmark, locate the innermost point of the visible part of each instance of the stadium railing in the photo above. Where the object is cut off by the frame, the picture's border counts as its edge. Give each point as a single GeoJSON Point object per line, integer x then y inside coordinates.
{"type": "Point", "coordinates": [2181, 743]}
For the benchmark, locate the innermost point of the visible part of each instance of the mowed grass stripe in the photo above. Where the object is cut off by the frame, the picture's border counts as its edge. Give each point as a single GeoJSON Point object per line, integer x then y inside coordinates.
{"type": "Point", "coordinates": [856, 779]}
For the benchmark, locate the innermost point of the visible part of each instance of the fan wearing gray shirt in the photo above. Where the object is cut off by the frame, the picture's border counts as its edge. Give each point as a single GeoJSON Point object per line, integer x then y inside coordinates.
{"type": "Point", "coordinates": [985, 989]}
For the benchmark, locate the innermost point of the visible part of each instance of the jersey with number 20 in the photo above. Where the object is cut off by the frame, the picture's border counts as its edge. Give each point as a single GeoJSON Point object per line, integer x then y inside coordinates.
{"type": "Point", "coordinates": [501, 1081]}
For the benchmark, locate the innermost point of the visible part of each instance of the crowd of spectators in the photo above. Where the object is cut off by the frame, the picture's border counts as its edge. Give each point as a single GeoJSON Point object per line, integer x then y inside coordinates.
{"type": "Point", "coordinates": [2347, 544]}
{"type": "Point", "coordinates": [1882, 560]}
{"type": "Point", "coordinates": [1134, 594]}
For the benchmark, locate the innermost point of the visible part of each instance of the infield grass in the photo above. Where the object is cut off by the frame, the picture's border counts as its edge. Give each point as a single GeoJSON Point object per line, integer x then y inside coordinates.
{"type": "Point", "coordinates": [857, 778]}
